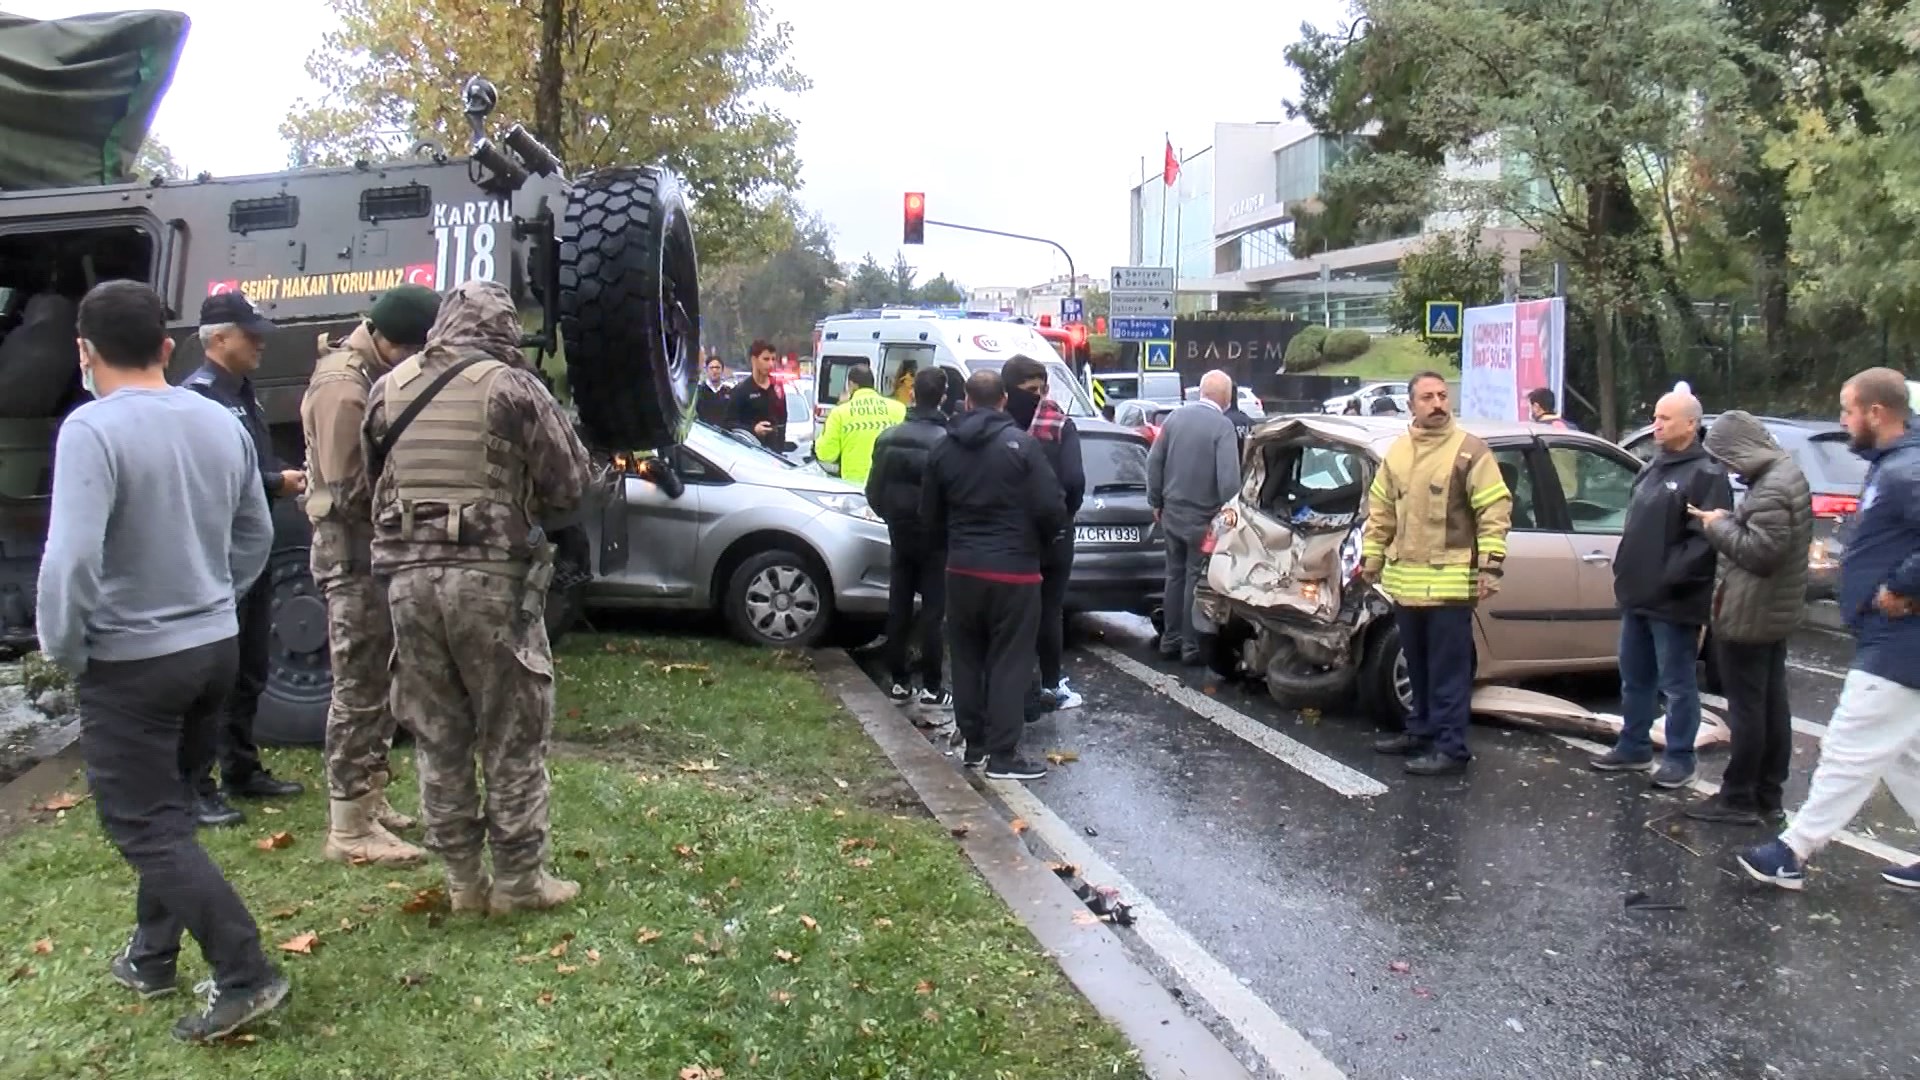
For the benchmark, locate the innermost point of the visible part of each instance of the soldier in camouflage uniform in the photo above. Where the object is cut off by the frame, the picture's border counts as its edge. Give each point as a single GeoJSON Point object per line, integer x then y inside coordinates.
{"type": "Point", "coordinates": [360, 635]}
{"type": "Point", "coordinates": [457, 507]}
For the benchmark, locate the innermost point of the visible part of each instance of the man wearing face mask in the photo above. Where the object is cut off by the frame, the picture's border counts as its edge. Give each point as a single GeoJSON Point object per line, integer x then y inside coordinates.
{"type": "Point", "coordinates": [232, 337]}
{"type": "Point", "coordinates": [339, 504]}
{"type": "Point", "coordinates": [1059, 440]}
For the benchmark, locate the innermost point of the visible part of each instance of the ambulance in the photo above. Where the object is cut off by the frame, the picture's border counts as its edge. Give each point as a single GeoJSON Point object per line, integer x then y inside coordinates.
{"type": "Point", "coordinates": [898, 342]}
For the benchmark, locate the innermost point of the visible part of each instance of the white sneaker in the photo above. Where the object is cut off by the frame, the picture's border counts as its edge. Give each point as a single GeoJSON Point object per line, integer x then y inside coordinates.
{"type": "Point", "coordinates": [1065, 698]}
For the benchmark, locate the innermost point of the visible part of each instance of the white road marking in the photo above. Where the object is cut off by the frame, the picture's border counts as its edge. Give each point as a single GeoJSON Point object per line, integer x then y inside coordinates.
{"type": "Point", "coordinates": [1864, 845]}
{"type": "Point", "coordinates": [1286, 1051]}
{"type": "Point", "coordinates": [1804, 727]}
{"type": "Point", "coordinates": [1341, 778]}
{"type": "Point", "coordinates": [1816, 669]}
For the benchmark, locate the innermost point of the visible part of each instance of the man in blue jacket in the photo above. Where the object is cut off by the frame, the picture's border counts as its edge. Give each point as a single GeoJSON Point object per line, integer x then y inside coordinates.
{"type": "Point", "coordinates": [1874, 734]}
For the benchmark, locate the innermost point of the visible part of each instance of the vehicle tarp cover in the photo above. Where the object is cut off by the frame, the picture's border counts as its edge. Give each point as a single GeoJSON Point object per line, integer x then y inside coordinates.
{"type": "Point", "coordinates": [78, 95]}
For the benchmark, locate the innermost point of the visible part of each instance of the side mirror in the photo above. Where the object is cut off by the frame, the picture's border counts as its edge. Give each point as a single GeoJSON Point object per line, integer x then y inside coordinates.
{"type": "Point", "coordinates": [659, 472]}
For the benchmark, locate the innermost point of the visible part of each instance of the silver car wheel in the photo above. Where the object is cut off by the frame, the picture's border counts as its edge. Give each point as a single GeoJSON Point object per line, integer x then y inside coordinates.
{"type": "Point", "coordinates": [1403, 681]}
{"type": "Point", "coordinates": [782, 602]}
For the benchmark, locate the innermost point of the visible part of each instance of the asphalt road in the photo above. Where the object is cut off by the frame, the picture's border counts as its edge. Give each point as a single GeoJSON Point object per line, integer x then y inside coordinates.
{"type": "Point", "coordinates": [1334, 917]}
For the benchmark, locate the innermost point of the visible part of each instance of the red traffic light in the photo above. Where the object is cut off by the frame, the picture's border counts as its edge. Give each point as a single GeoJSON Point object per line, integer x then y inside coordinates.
{"type": "Point", "coordinates": [916, 228]}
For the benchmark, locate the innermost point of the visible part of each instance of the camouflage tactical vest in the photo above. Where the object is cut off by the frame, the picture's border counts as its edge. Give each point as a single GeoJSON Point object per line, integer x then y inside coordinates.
{"type": "Point", "coordinates": [448, 456]}
{"type": "Point", "coordinates": [337, 363]}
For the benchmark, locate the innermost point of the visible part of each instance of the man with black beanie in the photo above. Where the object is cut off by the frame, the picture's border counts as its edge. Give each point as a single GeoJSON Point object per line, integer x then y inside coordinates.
{"type": "Point", "coordinates": [339, 505]}
{"type": "Point", "coordinates": [1059, 439]}
{"type": "Point", "coordinates": [894, 486]}
{"type": "Point", "coordinates": [991, 493]}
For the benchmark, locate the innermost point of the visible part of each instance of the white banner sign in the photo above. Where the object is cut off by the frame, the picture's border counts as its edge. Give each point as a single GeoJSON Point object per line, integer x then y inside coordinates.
{"type": "Point", "coordinates": [1506, 352]}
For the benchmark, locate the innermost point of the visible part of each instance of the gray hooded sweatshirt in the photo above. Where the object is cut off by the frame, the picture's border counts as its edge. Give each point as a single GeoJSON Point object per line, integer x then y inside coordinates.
{"type": "Point", "coordinates": [1761, 591]}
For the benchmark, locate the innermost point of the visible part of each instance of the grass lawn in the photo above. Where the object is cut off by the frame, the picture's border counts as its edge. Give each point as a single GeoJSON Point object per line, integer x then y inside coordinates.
{"type": "Point", "coordinates": [760, 901]}
{"type": "Point", "coordinates": [1395, 356]}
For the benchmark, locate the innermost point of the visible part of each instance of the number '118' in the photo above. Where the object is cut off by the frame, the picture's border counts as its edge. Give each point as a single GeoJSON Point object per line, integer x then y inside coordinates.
{"type": "Point", "coordinates": [455, 267]}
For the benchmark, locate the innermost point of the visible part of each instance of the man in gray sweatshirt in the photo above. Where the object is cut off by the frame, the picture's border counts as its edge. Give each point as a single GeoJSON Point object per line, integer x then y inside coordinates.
{"type": "Point", "coordinates": [1193, 469]}
{"type": "Point", "coordinates": [158, 521]}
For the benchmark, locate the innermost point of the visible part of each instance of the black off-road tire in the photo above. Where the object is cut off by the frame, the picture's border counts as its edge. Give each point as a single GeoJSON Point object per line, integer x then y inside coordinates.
{"type": "Point", "coordinates": [293, 706]}
{"type": "Point", "coordinates": [630, 307]}
{"type": "Point", "coordinates": [1379, 682]}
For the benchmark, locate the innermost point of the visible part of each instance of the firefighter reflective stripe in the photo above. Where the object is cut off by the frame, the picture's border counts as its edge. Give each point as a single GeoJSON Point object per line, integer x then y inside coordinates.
{"type": "Point", "coordinates": [1409, 584]}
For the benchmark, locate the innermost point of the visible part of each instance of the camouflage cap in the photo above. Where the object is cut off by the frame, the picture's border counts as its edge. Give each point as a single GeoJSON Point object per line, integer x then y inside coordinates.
{"type": "Point", "coordinates": [479, 315]}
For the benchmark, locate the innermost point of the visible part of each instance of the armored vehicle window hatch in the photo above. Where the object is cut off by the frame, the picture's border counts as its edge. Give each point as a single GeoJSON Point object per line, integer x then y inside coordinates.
{"type": "Point", "coordinates": [258, 215]}
{"type": "Point", "coordinates": [396, 203]}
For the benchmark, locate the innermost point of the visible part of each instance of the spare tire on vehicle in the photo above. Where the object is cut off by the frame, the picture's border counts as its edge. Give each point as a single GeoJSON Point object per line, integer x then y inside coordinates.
{"type": "Point", "coordinates": [630, 307]}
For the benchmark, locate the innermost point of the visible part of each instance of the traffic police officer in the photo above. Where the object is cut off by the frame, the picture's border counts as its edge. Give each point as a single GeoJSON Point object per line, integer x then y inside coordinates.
{"type": "Point", "coordinates": [359, 632]}
{"type": "Point", "coordinates": [469, 453]}
{"type": "Point", "coordinates": [855, 425]}
{"type": "Point", "coordinates": [233, 336]}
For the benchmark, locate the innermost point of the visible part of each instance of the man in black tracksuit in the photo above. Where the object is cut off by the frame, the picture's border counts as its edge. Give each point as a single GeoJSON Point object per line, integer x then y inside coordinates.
{"type": "Point", "coordinates": [1048, 423]}
{"type": "Point", "coordinates": [991, 493]}
{"type": "Point", "coordinates": [894, 486]}
{"type": "Point", "coordinates": [233, 336]}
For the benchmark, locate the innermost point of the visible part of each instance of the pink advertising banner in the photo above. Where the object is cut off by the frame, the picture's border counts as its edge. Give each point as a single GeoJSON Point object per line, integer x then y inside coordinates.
{"type": "Point", "coordinates": [1506, 352]}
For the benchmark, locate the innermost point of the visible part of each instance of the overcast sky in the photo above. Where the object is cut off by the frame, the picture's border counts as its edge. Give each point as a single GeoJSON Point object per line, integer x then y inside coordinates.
{"type": "Point", "coordinates": [1029, 116]}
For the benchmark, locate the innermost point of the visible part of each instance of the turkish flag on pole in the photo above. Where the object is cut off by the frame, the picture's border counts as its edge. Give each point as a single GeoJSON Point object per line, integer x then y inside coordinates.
{"type": "Point", "coordinates": [1172, 172]}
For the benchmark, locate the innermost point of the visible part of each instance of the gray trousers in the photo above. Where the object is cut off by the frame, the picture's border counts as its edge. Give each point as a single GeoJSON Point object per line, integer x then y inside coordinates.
{"type": "Point", "coordinates": [1186, 568]}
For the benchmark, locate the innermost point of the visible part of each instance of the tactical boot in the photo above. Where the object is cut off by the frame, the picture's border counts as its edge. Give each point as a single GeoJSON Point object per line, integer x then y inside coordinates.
{"type": "Point", "coordinates": [355, 837]}
{"type": "Point", "coordinates": [469, 889]}
{"type": "Point", "coordinates": [537, 891]}
{"type": "Point", "coordinates": [383, 812]}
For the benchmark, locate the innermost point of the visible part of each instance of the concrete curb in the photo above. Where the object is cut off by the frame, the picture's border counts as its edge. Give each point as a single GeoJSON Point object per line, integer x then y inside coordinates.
{"type": "Point", "coordinates": [1173, 1045]}
{"type": "Point", "coordinates": [53, 774]}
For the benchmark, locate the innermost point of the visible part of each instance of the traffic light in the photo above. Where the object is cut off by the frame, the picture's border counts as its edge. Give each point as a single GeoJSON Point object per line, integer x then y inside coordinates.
{"type": "Point", "coordinates": [916, 218]}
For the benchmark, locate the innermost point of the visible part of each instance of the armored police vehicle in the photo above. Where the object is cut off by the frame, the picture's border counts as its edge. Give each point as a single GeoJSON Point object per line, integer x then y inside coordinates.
{"type": "Point", "coordinates": [602, 264]}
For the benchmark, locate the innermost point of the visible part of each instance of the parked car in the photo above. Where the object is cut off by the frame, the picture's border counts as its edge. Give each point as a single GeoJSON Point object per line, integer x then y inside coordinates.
{"type": "Point", "coordinates": [1143, 418]}
{"type": "Point", "coordinates": [802, 428]}
{"type": "Point", "coordinates": [1369, 395]}
{"type": "Point", "coordinates": [1119, 553]}
{"type": "Point", "coordinates": [1248, 401]}
{"type": "Point", "coordinates": [1118, 386]}
{"type": "Point", "coordinates": [785, 554]}
{"type": "Point", "coordinates": [1835, 474]}
{"type": "Point", "coordinates": [1283, 583]}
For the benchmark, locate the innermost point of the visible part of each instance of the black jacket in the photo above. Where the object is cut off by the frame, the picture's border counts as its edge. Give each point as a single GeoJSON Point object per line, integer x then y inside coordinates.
{"type": "Point", "coordinates": [1664, 566]}
{"type": "Point", "coordinates": [899, 472]}
{"type": "Point", "coordinates": [991, 493]}
{"type": "Point", "coordinates": [235, 394]}
{"type": "Point", "coordinates": [712, 405]}
{"type": "Point", "coordinates": [749, 404]}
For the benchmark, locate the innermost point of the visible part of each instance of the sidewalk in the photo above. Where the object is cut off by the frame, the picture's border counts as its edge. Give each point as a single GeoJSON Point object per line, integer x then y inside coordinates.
{"type": "Point", "coordinates": [764, 898]}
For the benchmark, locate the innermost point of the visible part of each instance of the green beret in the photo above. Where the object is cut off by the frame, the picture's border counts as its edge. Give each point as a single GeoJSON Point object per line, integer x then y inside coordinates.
{"type": "Point", "coordinates": [405, 313]}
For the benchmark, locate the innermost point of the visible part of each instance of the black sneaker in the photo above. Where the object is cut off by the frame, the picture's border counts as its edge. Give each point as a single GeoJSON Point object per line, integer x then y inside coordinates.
{"type": "Point", "coordinates": [1014, 767]}
{"type": "Point", "coordinates": [1402, 745]}
{"type": "Point", "coordinates": [148, 984]}
{"type": "Point", "coordinates": [973, 757]}
{"type": "Point", "coordinates": [936, 699]}
{"type": "Point", "coordinates": [1435, 763]}
{"type": "Point", "coordinates": [213, 811]}
{"type": "Point", "coordinates": [264, 785]}
{"type": "Point", "coordinates": [1615, 761]}
{"type": "Point", "coordinates": [1671, 777]}
{"type": "Point", "coordinates": [1721, 812]}
{"type": "Point", "coordinates": [228, 1011]}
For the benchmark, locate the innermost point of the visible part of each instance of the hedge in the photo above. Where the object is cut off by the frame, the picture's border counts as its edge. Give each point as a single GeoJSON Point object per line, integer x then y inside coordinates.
{"type": "Point", "coordinates": [1346, 344]}
{"type": "Point", "coordinates": [1305, 352]}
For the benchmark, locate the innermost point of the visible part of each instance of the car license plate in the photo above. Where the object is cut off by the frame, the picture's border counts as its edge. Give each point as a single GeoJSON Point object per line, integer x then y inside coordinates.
{"type": "Point", "coordinates": [1106, 534]}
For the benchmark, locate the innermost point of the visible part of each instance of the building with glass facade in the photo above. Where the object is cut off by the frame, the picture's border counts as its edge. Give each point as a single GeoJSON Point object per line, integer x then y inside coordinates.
{"type": "Point", "coordinates": [1229, 219]}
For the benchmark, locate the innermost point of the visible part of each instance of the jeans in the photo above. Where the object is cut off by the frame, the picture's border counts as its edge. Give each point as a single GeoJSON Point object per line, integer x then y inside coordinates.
{"type": "Point", "coordinates": [135, 718]}
{"type": "Point", "coordinates": [1438, 643]}
{"type": "Point", "coordinates": [1186, 568]}
{"type": "Point", "coordinates": [1657, 655]}
{"type": "Point", "coordinates": [1755, 679]}
{"type": "Point", "coordinates": [1874, 735]}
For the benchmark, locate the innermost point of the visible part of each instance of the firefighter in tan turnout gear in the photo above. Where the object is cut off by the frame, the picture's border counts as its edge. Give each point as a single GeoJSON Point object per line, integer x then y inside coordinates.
{"type": "Point", "coordinates": [470, 453]}
{"type": "Point", "coordinates": [359, 633]}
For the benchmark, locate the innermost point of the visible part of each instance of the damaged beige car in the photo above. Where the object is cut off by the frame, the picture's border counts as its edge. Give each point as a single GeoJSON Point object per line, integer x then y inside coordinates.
{"type": "Point", "coordinates": [1283, 586]}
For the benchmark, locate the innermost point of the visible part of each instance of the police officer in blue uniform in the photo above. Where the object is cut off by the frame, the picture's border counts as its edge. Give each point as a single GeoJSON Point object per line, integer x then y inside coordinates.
{"type": "Point", "coordinates": [232, 336]}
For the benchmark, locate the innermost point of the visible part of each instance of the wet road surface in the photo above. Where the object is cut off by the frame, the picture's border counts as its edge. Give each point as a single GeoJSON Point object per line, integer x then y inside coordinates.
{"type": "Point", "coordinates": [1471, 927]}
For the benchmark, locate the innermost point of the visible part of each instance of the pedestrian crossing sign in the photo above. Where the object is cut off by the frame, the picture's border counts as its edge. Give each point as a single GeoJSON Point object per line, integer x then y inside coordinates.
{"type": "Point", "coordinates": [1443, 319]}
{"type": "Point", "coordinates": [1158, 356]}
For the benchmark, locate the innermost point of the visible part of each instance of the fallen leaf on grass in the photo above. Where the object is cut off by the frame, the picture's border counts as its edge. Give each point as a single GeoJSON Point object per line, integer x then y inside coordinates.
{"type": "Point", "coordinates": [1062, 757]}
{"type": "Point", "coordinates": [861, 863]}
{"type": "Point", "coordinates": [245, 1038]}
{"type": "Point", "coordinates": [593, 957]}
{"type": "Point", "coordinates": [288, 912]}
{"type": "Point", "coordinates": [44, 946]}
{"type": "Point", "coordinates": [668, 669]}
{"type": "Point", "coordinates": [775, 910]}
{"type": "Point", "coordinates": [809, 922]}
{"type": "Point", "coordinates": [397, 886]}
{"type": "Point", "coordinates": [780, 997]}
{"type": "Point", "coordinates": [697, 1072]}
{"type": "Point", "coordinates": [559, 950]}
{"type": "Point", "coordinates": [275, 842]}
{"type": "Point", "coordinates": [686, 851]}
{"type": "Point", "coordinates": [883, 923]}
{"type": "Point", "coordinates": [346, 925]}
{"type": "Point", "coordinates": [848, 843]}
{"type": "Point", "coordinates": [545, 998]}
{"type": "Point", "coordinates": [645, 936]}
{"type": "Point", "coordinates": [425, 900]}
{"type": "Point", "coordinates": [565, 969]}
{"type": "Point", "coordinates": [839, 783]}
{"type": "Point", "coordinates": [270, 810]}
{"type": "Point", "coordinates": [1019, 826]}
{"type": "Point", "coordinates": [924, 986]}
{"type": "Point", "coordinates": [704, 765]}
{"type": "Point", "coordinates": [66, 800]}
{"type": "Point", "coordinates": [930, 1016]}
{"type": "Point", "coordinates": [301, 943]}
{"type": "Point", "coordinates": [695, 959]}
{"type": "Point", "coordinates": [785, 957]}
{"type": "Point", "coordinates": [530, 958]}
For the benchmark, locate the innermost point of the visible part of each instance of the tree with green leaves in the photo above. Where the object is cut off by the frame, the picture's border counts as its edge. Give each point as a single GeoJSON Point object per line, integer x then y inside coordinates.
{"type": "Point", "coordinates": [687, 83]}
{"type": "Point", "coordinates": [778, 298]}
{"type": "Point", "coordinates": [1544, 106]}
{"type": "Point", "coordinates": [940, 289]}
{"type": "Point", "coordinates": [1452, 266]}
{"type": "Point", "coordinates": [156, 161]}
